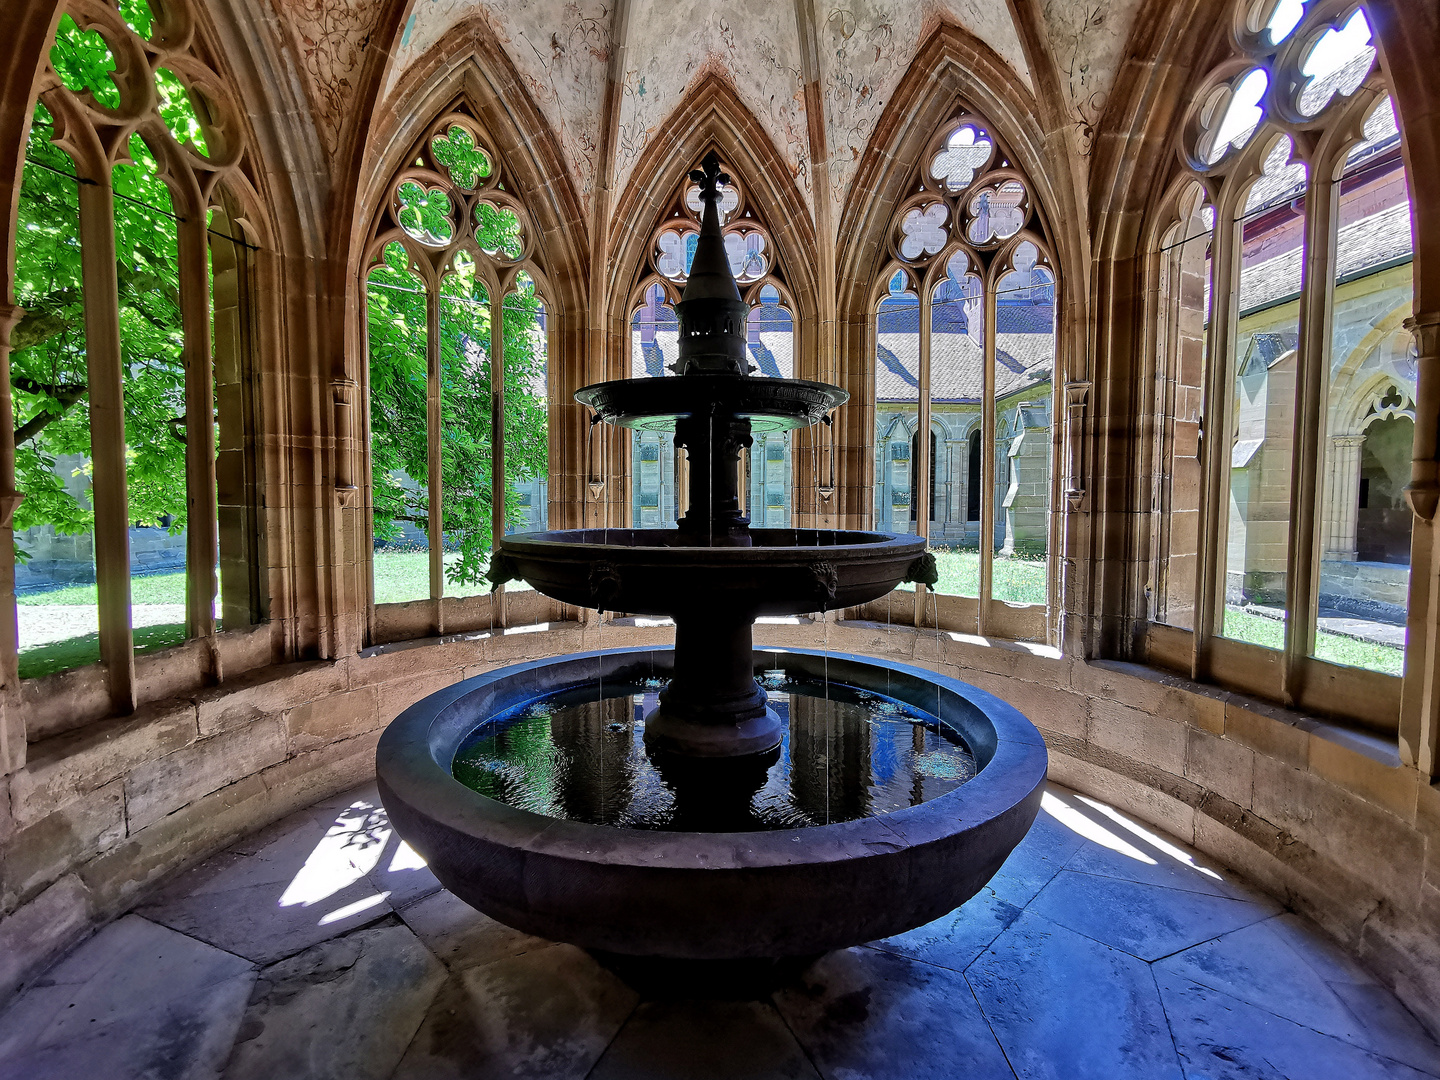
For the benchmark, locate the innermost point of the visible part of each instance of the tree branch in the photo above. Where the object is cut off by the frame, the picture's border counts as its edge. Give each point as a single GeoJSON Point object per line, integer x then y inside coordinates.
{"type": "Point", "coordinates": [66, 394]}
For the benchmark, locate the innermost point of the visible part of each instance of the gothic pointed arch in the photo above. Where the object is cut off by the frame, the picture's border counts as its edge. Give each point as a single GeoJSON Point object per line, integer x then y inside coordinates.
{"type": "Point", "coordinates": [712, 116]}
{"type": "Point", "coordinates": [953, 66]}
{"type": "Point", "coordinates": [470, 72]}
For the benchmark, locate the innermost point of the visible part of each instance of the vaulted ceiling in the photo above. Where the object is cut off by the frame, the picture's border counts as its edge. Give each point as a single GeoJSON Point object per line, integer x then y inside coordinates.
{"type": "Point", "coordinates": [564, 51]}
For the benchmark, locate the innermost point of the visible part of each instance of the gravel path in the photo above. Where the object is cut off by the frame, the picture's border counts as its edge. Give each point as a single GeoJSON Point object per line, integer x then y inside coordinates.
{"type": "Point", "coordinates": [41, 624]}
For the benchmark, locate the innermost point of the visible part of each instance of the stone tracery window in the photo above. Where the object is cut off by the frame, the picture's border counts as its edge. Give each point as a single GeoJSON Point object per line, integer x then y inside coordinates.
{"type": "Point", "coordinates": [965, 350]}
{"type": "Point", "coordinates": [1285, 278]}
{"type": "Point", "coordinates": [127, 371]}
{"type": "Point", "coordinates": [657, 467]}
{"type": "Point", "coordinates": [452, 282]}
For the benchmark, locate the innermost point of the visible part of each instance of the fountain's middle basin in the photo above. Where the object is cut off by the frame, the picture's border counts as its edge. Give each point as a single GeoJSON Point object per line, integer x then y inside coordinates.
{"type": "Point", "coordinates": [664, 572]}
{"type": "Point", "coordinates": [711, 895]}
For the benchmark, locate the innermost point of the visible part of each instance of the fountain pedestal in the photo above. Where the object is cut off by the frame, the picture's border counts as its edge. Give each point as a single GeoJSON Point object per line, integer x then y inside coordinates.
{"type": "Point", "coordinates": [713, 707]}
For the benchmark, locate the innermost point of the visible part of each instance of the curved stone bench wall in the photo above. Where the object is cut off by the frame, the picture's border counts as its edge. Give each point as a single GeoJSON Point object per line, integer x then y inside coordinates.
{"type": "Point", "coordinates": [1324, 818]}
{"type": "Point", "coordinates": [100, 814]}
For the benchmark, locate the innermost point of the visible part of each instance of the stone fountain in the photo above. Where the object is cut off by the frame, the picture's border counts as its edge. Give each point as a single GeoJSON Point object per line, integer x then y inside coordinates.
{"type": "Point", "coordinates": [717, 871]}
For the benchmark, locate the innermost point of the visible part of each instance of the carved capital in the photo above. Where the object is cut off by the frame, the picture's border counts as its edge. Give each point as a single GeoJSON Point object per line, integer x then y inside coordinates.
{"type": "Point", "coordinates": [1077, 397]}
{"type": "Point", "coordinates": [1426, 328]}
{"type": "Point", "coordinates": [1423, 501]}
{"type": "Point", "coordinates": [344, 391]}
{"type": "Point", "coordinates": [1423, 494]}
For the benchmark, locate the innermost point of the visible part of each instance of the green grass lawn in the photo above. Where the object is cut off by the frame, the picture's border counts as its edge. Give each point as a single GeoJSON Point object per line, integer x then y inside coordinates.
{"type": "Point", "coordinates": [401, 576]}
{"type": "Point", "coordinates": [79, 651]}
{"type": "Point", "coordinates": [1332, 648]}
{"type": "Point", "coordinates": [1015, 579]}
{"type": "Point", "coordinates": [151, 589]}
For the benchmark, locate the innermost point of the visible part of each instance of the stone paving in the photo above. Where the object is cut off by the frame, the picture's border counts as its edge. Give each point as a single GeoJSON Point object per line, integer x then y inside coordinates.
{"type": "Point", "coordinates": [322, 947]}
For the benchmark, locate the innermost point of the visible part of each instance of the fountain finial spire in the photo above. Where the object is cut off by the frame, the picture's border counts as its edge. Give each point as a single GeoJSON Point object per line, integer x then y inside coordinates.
{"type": "Point", "coordinates": [711, 314]}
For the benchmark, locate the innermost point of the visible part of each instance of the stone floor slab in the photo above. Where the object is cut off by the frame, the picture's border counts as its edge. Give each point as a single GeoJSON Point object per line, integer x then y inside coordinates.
{"type": "Point", "coordinates": [463, 937]}
{"type": "Point", "coordinates": [342, 1010]}
{"type": "Point", "coordinates": [1266, 998]}
{"type": "Point", "coordinates": [1123, 848]}
{"type": "Point", "coordinates": [1148, 921]}
{"type": "Point", "coordinates": [545, 1015]}
{"type": "Point", "coordinates": [397, 870]}
{"type": "Point", "coordinates": [704, 1040]}
{"type": "Point", "coordinates": [1222, 1038]}
{"type": "Point", "coordinates": [1260, 966]}
{"type": "Point", "coordinates": [955, 940]}
{"type": "Point", "coordinates": [865, 1013]}
{"type": "Point", "coordinates": [1067, 1007]}
{"type": "Point", "coordinates": [1387, 1027]}
{"type": "Point", "coordinates": [288, 889]}
{"type": "Point", "coordinates": [1039, 857]}
{"type": "Point", "coordinates": [135, 1001]}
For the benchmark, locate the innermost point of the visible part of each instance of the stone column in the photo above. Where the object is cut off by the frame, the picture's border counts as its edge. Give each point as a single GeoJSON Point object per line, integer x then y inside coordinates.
{"type": "Point", "coordinates": [1420, 703]}
{"type": "Point", "coordinates": [12, 722]}
{"type": "Point", "coordinates": [1342, 496]}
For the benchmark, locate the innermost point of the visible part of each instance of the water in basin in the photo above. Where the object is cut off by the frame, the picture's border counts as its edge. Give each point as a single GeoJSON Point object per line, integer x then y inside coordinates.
{"type": "Point", "coordinates": [846, 754]}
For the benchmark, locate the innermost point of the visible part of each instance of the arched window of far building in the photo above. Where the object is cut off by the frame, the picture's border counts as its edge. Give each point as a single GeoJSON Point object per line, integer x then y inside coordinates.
{"type": "Point", "coordinates": [767, 463]}
{"type": "Point", "coordinates": [1285, 377]}
{"type": "Point", "coordinates": [654, 346]}
{"type": "Point", "coordinates": [965, 350]}
{"type": "Point", "coordinates": [129, 370]}
{"type": "Point", "coordinates": [453, 282]}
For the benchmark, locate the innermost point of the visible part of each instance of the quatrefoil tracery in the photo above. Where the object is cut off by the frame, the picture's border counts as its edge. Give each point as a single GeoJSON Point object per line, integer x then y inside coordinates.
{"type": "Point", "coordinates": [978, 197]}
{"type": "Point", "coordinates": [1293, 63]}
{"type": "Point", "coordinates": [924, 231]}
{"type": "Point", "coordinates": [967, 151]}
{"type": "Point", "coordinates": [747, 243]}
{"type": "Point", "coordinates": [154, 87]}
{"type": "Point", "coordinates": [448, 204]}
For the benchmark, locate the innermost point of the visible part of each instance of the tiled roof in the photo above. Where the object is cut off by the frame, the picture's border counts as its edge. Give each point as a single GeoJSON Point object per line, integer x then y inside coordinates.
{"type": "Point", "coordinates": [956, 366]}
{"type": "Point", "coordinates": [1363, 244]}
{"type": "Point", "coordinates": [1023, 358]}
{"type": "Point", "coordinates": [772, 356]}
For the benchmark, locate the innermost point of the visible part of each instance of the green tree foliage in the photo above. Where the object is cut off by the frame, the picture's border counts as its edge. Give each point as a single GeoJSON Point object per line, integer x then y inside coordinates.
{"type": "Point", "coordinates": [398, 442]}
{"type": "Point", "coordinates": [49, 380]}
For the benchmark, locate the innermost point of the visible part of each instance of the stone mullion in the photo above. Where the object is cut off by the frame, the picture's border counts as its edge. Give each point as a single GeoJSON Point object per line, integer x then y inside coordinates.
{"type": "Point", "coordinates": [497, 434]}
{"type": "Point", "coordinates": [201, 529]}
{"type": "Point", "coordinates": [434, 526]}
{"type": "Point", "coordinates": [987, 460]}
{"type": "Point", "coordinates": [109, 490]}
{"type": "Point", "coordinates": [1167, 362]}
{"type": "Point", "coordinates": [1420, 699]}
{"type": "Point", "coordinates": [1317, 306]}
{"type": "Point", "coordinates": [1216, 433]}
{"type": "Point", "coordinates": [920, 495]}
{"type": "Point", "coordinates": [12, 721]}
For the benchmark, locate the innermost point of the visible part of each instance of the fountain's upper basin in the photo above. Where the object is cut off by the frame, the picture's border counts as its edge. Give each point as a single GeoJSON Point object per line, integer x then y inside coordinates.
{"type": "Point", "coordinates": [711, 895]}
{"type": "Point", "coordinates": [662, 572]}
{"type": "Point", "coordinates": [769, 404]}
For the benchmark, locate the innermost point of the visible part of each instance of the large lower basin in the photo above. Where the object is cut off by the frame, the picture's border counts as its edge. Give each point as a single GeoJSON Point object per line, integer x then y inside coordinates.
{"type": "Point", "coordinates": [661, 571]}
{"type": "Point", "coordinates": [711, 895]}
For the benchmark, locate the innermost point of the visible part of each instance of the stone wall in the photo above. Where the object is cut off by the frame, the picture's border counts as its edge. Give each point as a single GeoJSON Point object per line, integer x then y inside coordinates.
{"type": "Point", "coordinates": [1372, 590]}
{"type": "Point", "coordinates": [1322, 817]}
